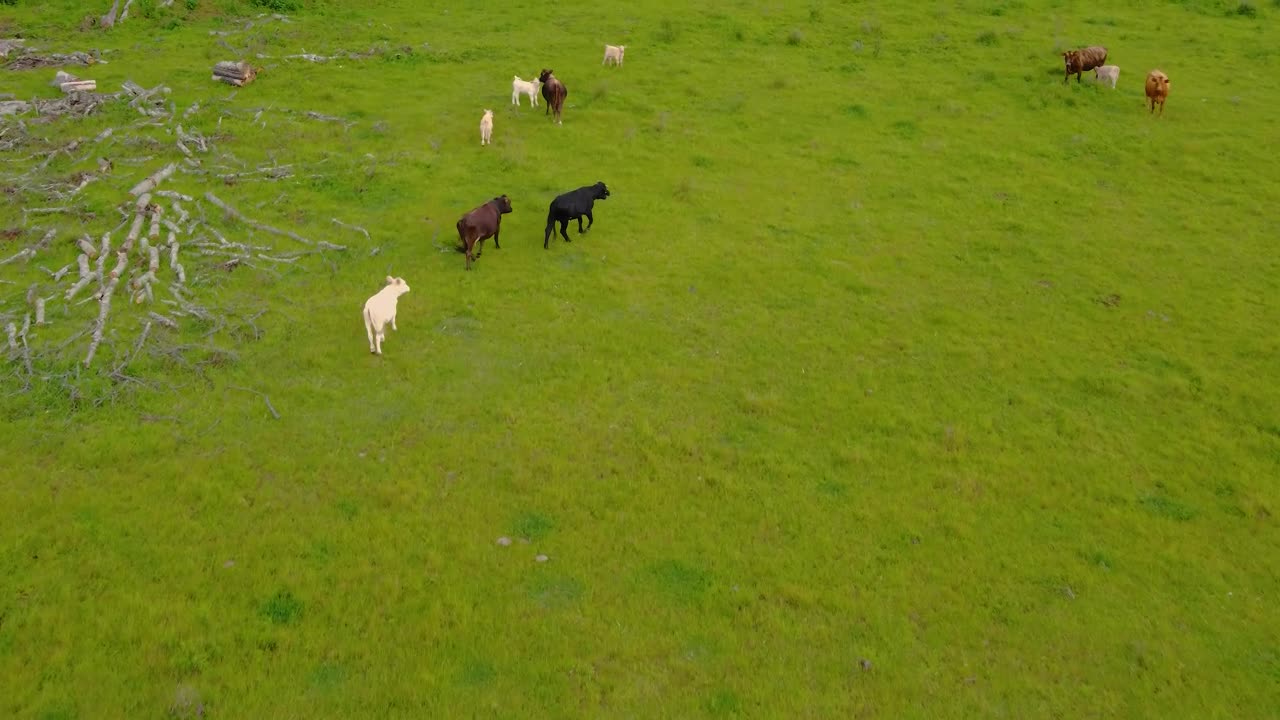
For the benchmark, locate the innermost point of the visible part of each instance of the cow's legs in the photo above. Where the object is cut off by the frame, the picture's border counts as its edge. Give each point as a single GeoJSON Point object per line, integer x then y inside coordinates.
{"type": "Point", "coordinates": [546, 237]}
{"type": "Point", "coordinates": [380, 338]}
{"type": "Point", "coordinates": [590, 221]}
{"type": "Point", "coordinates": [580, 230]}
{"type": "Point", "coordinates": [393, 322]}
{"type": "Point", "coordinates": [495, 240]}
{"type": "Point", "coordinates": [564, 225]}
{"type": "Point", "coordinates": [368, 328]}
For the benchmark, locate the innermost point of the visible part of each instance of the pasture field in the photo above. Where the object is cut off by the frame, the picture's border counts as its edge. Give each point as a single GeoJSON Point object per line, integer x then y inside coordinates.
{"type": "Point", "coordinates": [896, 379]}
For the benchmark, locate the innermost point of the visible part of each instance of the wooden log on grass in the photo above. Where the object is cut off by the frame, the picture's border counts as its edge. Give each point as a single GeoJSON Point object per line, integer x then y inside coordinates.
{"type": "Point", "coordinates": [238, 73]}
{"type": "Point", "coordinates": [154, 179]}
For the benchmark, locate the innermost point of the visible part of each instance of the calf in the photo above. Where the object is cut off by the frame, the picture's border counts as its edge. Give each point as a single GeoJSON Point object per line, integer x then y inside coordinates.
{"type": "Point", "coordinates": [573, 205]}
{"type": "Point", "coordinates": [380, 310]}
{"type": "Point", "coordinates": [524, 87]}
{"type": "Point", "coordinates": [1108, 74]}
{"type": "Point", "coordinates": [480, 224]}
{"type": "Point", "coordinates": [1078, 61]}
{"type": "Point", "coordinates": [1157, 89]}
{"type": "Point", "coordinates": [554, 92]}
{"type": "Point", "coordinates": [614, 53]}
{"type": "Point", "coordinates": [486, 128]}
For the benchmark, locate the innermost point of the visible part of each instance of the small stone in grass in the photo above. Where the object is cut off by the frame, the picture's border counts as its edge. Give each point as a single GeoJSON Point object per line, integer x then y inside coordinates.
{"type": "Point", "coordinates": [229, 563]}
{"type": "Point", "coordinates": [865, 663]}
{"type": "Point", "coordinates": [504, 541]}
{"type": "Point", "coordinates": [541, 558]}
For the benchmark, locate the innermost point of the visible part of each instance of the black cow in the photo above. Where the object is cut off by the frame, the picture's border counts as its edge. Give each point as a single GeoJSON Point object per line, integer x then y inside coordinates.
{"type": "Point", "coordinates": [483, 222]}
{"type": "Point", "coordinates": [573, 205]}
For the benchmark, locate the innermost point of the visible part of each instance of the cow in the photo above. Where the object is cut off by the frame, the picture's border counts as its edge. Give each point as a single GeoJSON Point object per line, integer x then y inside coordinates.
{"type": "Point", "coordinates": [1108, 74]}
{"type": "Point", "coordinates": [380, 310]}
{"type": "Point", "coordinates": [554, 92]}
{"type": "Point", "coordinates": [524, 87]}
{"type": "Point", "coordinates": [614, 53]}
{"type": "Point", "coordinates": [486, 128]}
{"type": "Point", "coordinates": [573, 205]}
{"type": "Point", "coordinates": [1079, 61]}
{"type": "Point", "coordinates": [480, 224]}
{"type": "Point", "coordinates": [1157, 89]}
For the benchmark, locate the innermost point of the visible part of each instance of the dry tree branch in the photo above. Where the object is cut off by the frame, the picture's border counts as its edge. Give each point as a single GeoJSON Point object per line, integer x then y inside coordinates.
{"type": "Point", "coordinates": [264, 397]}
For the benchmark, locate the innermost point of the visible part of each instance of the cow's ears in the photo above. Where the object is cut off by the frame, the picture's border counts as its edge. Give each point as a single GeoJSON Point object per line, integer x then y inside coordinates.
{"type": "Point", "coordinates": [390, 279]}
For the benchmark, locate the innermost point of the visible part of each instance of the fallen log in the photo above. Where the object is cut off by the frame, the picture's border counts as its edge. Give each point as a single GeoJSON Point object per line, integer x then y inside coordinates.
{"type": "Point", "coordinates": [109, 19]}
{"type": "Point", "coordinates": [104, 308]}
{"type": "Point", "coordinates": [40, 311]}
{"type": "Point", "coordinates": [79, 86]}
{"type": "Point", "coordinates": [134, 231]}
{"type": "Point", "coordinates": [234, 73]}
{"type": "Point", "coordinates": [154, 179]}
{"type": "Point", "coordinates": [82, 284]}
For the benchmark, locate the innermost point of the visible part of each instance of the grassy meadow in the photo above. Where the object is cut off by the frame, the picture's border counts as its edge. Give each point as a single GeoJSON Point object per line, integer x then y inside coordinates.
{"type": "Point", "coordinates": [896, 378]}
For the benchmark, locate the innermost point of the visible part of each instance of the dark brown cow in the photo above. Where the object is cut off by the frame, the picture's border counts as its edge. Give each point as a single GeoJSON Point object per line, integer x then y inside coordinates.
{"type": "Point", "coordinates": [1079, 61]}
{"type": "Point", "coordinates": [482, 223]}
{"type": "Point", "coordinates": [554, 92]}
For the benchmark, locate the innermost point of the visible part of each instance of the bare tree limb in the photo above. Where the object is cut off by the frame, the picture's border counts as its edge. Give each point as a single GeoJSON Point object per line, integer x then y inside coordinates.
{"type": "Point", "coordinates": [264, 397]}
{"type": "Point", "coordinates": [137, 348]}
{"type": "Point", "coordinates": [235, 214]}
{"type": "Point", "coordinates": [357, 228]}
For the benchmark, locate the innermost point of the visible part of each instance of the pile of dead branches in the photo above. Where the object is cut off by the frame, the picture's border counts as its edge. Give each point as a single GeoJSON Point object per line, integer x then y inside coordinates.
{"type": "Point", "coordinates": [31, 61]}
{"type": "Point", "coordinates": [137, 286]}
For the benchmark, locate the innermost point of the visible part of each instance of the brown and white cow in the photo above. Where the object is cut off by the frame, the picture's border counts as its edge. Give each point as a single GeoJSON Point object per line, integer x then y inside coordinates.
{"type": "Point", "coordinates": [554, 92]}
{"type": "Point", "coordinates": [480, 224]}
{"type": "Point", "coordinates": [1079, 61]}
{"type": "Point", "coordinates": [1157, 89]}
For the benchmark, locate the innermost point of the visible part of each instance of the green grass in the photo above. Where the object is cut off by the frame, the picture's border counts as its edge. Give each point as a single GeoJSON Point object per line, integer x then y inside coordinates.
{"type": "Point", "coordinates": [887, 347]}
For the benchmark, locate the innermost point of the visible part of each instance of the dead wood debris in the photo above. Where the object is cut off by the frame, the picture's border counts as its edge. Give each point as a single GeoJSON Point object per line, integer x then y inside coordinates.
{"type": "Point", "coordinates": [31, 61]}
{"type": "Point", "coordinates": [237, 73]}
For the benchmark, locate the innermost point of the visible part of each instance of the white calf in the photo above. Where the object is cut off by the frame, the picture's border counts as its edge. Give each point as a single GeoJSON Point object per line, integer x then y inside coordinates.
{"type": "Point", "coordinates": [380, 310]}
{"type": "Point", "coordinates": [614, 53]}
{"type": "Point", "coordinates": [524, 87]}
{"type": "Point", "coordinates": [1108, 74]}
{"type": "Point", "coordinates": [486, 128]}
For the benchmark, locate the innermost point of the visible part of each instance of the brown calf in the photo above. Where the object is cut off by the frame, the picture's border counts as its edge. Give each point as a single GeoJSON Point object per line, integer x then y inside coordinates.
{"type": "Point", "coordinates": [554, 92]}
{"type": "Point", "coordinates": [482, 223]}
{"type": "Point", "coordinates": [1079, 61]}
{"type": "Point", "coordinates": [1157, 89]}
